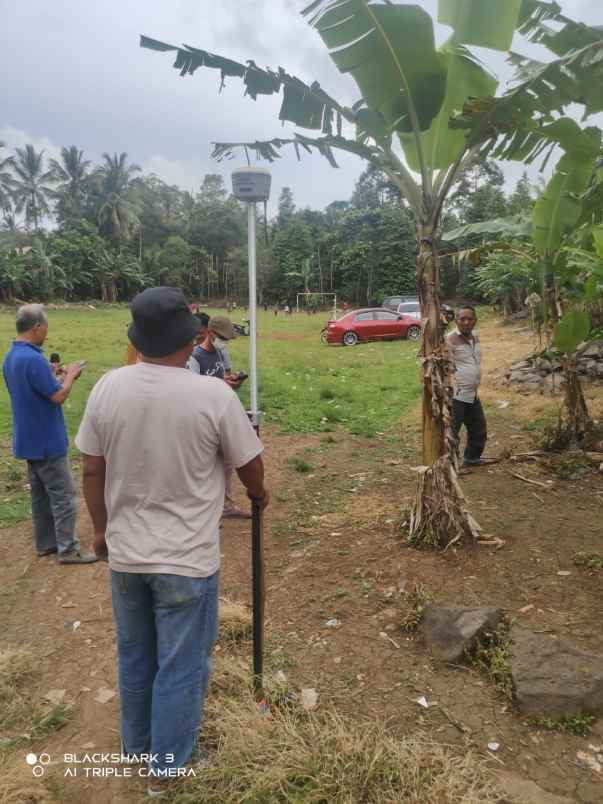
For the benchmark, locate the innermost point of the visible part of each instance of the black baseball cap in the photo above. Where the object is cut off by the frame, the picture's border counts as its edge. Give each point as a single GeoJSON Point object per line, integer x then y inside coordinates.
{"type": "Point", "coordinates": [162, 322]}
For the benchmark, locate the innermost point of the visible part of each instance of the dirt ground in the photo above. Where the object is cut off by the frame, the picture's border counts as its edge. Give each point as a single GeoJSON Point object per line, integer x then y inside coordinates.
{"type": "Point", "coordinates": [334, 550]}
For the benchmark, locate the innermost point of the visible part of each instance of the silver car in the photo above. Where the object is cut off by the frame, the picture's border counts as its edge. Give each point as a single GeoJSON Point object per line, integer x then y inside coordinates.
{"type": "Point", "coordinates": [412, 308]}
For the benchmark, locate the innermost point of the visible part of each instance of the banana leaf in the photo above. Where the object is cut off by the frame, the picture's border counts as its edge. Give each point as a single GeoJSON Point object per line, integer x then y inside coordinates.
{"type": "Point", "coordinates": [467, 78]}
{"type": "Point", "coordinates": [514, 226]}
{"type": "Point", "coordinates": [485, 23]}
{"type": "Point", "coordinates": [571, 331]}
{"type": "Point", "coordinates": [559, 208]}
{"type": "Point", "coordinates": [389, 50]}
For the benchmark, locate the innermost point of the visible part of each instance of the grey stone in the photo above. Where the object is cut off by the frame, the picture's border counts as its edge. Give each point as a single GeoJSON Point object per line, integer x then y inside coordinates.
{"type": "Point", "coordinates": [593, 349]}
{"type": "Point", "coordinates": [552, 384]}
{"type": "Point", "coordinates": [449, 632]}
{"type": "Point", "coordinates": [552, 677]}
{"type": "Point", "coordinates": [524, 376]}
{"type": "Point", "coordinates": [523, 364]}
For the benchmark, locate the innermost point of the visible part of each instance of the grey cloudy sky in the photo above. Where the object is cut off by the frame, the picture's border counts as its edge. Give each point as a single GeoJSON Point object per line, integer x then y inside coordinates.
{"type": "Point", "coordinates": [74, 74]}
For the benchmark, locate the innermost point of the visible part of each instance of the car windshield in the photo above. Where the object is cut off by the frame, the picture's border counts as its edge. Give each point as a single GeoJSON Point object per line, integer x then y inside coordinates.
{"type": "Point", "coordinates": [409, 307]}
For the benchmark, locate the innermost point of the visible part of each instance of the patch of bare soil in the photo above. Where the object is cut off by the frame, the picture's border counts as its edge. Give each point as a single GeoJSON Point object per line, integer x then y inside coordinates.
{"type": "Point", "coordinates": [336, 565]}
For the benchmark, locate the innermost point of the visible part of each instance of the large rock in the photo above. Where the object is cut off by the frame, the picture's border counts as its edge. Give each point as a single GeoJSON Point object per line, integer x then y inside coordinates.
{"type": "Point", "coordinates": [449, 632]}
{"type": "Point", "coordinates": [593, 349]}
{"type": "Point", "coordinates": [552, 677]}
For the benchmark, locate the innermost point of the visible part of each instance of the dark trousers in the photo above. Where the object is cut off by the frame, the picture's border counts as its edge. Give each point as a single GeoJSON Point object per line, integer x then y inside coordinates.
{"type": "Point", "coordinates": [470, 414]}
{"type": "Point", "coordinates": [53, 504]}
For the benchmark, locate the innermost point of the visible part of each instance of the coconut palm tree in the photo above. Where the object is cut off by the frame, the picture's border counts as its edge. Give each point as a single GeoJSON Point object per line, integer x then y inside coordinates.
{"type": "Point", "coordinates": [117, 217]}
{"type": "Point", "coordinates": [6, 182]}
{"type": "Point", "coordinates": [32, 188]}
{"type": "Point", "coordinates": [71, 173]}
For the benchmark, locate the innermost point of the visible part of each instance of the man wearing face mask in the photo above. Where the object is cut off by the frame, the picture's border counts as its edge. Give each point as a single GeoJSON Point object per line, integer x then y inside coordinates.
{"type": "Point", "coordinates": [211, 358]}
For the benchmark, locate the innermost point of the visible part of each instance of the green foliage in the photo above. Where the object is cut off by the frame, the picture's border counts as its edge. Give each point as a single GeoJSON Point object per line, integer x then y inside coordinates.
{"type": "Point", "coordinates": [486, 23]}
{"type": "Point", "coordinates": [591, 561]}
{"type": "Point", "coordinates": [558, 209]}
{"type": "Point", "coordinates": [30, 187]}
{"type": "Point", "coordinates": [390, 52]}
{"type": "Point", "coordinates": [505, 280]}
{"type": "Point", "coordinates": [571, 331]}
{"type": "Point", "coordinates": [467, 78]}
{"type": "Point", "coordinates": [491, 657]}
{"type": "Point", "coordinates": [578, 725]}
{"type": "Point", "coordinates": [572, 466]}
{"type": "Point", "coordinates": [300, 465]}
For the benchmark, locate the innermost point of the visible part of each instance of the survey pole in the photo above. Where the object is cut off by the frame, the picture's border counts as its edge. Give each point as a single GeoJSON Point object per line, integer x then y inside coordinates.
{"type": "Point", "coordinates": [252, 185]}
{"type": "Point", "coordinates": [253, 334]}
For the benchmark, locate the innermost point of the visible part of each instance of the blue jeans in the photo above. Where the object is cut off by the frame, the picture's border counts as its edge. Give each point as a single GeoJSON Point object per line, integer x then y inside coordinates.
{"type": "Point", "coordinates": [166, 629]}
{"type": "Point", "coordinates": [53, 504]}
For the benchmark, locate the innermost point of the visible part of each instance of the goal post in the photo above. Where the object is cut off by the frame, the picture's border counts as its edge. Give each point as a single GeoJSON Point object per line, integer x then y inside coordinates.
{"type": "Point", "coordinates": [308, 294]}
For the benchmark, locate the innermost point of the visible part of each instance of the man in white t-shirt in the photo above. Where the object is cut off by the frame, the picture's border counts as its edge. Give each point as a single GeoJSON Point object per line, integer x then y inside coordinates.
{"type": "Point", "coordinates": [155, 440]}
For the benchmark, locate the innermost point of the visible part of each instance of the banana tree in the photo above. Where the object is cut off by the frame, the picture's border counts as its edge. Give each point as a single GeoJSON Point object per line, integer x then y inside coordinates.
{"type": "Point", "coordinates": [565, 214]}
{"type": "Point", "coordinates": [570, 332]}
{"type": "Point", "coordinates": [409, 90]}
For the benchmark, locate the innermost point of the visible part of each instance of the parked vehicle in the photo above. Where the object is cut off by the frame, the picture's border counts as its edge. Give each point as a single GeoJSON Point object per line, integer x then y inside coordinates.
{"type": "Point", "coordinates": [242, 329]}
{"type": "Point", "coordinates": [412, 308]}
{"type": "Point", "coordinates": [392, 302]}
{"type": "Point", "coordinates": [371, 324]}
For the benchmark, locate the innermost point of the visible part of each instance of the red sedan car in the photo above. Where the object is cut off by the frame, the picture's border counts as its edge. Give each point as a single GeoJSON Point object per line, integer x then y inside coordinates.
{"type": "Point", "coordinates": [371, 324]}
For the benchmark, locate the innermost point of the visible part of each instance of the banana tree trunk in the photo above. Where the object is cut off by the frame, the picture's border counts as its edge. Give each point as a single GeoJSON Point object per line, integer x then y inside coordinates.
{"type": "Point", "coordinates": [578, 422]}
{"type": "Point", "coordinates": [435, 373]}
{"type": "Point", "coordinates": [439, 515]}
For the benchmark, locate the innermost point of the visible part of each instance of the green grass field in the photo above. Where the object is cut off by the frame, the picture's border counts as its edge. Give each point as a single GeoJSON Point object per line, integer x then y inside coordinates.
{"type": "Point", "coordinates": [304, 386]}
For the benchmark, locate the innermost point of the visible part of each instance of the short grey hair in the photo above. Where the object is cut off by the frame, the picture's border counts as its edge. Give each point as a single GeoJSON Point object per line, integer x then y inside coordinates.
{"type": "Point", "coordinates": [29, 316]}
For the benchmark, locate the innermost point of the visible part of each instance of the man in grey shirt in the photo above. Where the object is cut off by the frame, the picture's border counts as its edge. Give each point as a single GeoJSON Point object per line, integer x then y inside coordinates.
{"type": "Point", "coordinates": [466, 407]}
{"type": "Point", "coordinates": [211, 358]}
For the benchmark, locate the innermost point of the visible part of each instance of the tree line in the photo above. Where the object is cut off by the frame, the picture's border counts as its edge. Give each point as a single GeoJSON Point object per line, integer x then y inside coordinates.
{"type": "Point", "coordinates": [73, 230]}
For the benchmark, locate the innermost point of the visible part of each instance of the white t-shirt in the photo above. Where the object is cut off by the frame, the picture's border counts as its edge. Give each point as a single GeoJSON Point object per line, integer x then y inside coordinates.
{"type": "Point", "coordinates": [166, 435]}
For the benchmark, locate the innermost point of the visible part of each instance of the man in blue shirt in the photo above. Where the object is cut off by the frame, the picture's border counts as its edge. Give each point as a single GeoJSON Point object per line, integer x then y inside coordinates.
{"type": "Point", "coordinates": [40, 437]}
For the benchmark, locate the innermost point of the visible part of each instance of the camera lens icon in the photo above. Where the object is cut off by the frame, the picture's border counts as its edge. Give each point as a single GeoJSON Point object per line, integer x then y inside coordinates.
{"type": "Point", "coordinates": [37, 763]}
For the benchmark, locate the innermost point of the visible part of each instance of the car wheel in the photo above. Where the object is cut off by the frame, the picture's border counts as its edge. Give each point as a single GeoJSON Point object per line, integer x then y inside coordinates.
{"type": "Point", "coordinates": [323, 336]}
{"type": "Point", "coordinates": [413, 333]}
{"type": "Point", "coordinates": [350, 339]}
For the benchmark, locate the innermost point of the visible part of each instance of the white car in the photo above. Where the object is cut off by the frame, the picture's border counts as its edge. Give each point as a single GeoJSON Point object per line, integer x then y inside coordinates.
{"type": "Point", "coordinates": [412, 308]}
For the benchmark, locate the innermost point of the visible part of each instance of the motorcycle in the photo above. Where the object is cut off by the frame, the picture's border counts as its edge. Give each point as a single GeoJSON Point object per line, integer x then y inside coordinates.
{"type": "Point", "coordinates": [242, 329]}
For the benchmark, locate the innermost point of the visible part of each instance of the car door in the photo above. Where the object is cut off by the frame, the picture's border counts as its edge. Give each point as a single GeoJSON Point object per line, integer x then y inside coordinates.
{"type": "Point", "coordinates": [387, 324]}
{"type": "Point", "coordinates": [364, 325]}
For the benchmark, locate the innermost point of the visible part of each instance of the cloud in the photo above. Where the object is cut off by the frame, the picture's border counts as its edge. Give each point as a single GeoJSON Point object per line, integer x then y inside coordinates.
{"type": "Point", "coordinates": [17, 138]}
{"type": "Point", "coordinates": [186, 175]}
{"type": "Point", "coordinates": [86, 82]}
